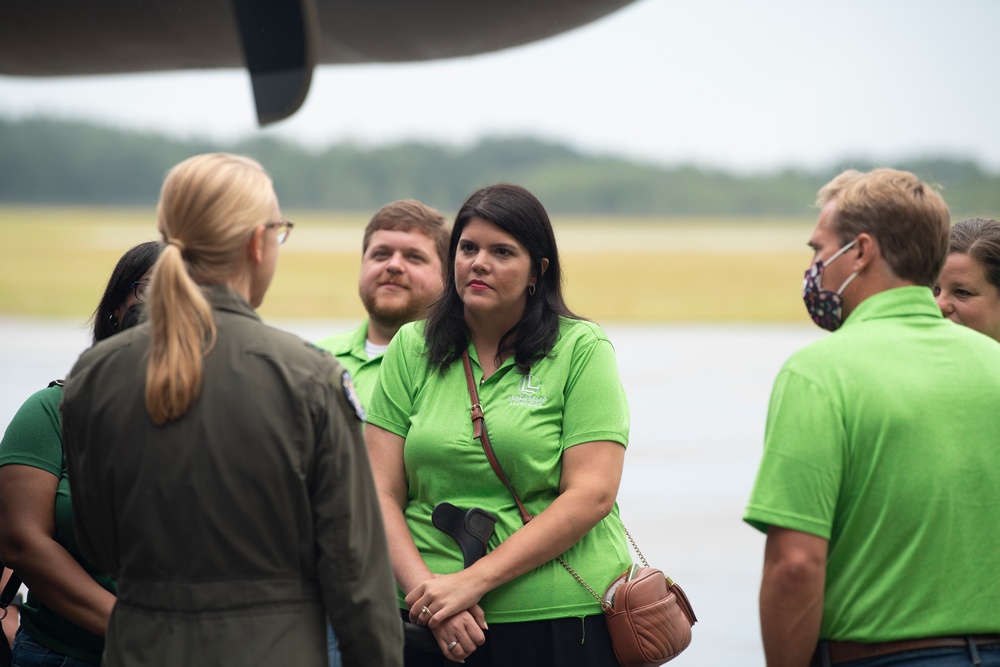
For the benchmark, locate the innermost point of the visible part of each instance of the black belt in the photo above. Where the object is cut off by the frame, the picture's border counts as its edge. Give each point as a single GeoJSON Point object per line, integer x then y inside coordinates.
{"type": "Point", "coordinates": [838, 652]}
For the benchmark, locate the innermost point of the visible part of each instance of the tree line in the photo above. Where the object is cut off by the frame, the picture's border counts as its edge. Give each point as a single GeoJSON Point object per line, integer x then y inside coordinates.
{"type": "Point", "coordinates": [67, 162]}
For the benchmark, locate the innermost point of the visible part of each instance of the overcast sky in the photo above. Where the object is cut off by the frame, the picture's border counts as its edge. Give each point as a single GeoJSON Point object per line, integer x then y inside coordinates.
{"type": "Point", "coordinates": [727, 83]}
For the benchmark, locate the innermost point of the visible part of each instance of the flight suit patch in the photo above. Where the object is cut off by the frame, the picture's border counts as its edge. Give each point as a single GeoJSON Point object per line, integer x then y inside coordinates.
{"type": "Point", "coordinates": [352, 395]}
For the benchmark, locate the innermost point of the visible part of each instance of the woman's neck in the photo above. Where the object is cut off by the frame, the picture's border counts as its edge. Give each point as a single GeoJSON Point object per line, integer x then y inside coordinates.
{"type": "Point", "coordinates": [239, 280]}
{"type": "Point", "coordinates": [486, 334]}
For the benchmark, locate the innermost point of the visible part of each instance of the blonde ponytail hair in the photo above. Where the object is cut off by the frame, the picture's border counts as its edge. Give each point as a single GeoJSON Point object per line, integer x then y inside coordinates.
{"type": "Point", "coordinates": [209, 207]}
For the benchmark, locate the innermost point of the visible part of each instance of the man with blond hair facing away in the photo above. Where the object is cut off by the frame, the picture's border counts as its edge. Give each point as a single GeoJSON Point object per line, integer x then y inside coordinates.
{"type": "Point", "coordinates": [880, 478]}
{"type": "Point", "coordinates": [404, 252]}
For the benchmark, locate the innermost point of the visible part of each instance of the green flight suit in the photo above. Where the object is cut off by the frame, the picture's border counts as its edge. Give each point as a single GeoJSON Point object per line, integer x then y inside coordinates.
{"type": "Point", "coordinates": [238, 530]}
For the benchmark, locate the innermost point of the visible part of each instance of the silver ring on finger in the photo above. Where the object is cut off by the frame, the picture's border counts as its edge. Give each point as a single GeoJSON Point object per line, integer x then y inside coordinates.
{"type": "Point", "coordinates": [452, 645]}
{"type": "Point", "coordinates": [425, 610]}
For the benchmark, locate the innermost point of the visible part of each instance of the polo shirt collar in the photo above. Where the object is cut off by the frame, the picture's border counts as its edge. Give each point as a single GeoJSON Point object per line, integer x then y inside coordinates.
{"type": "Point", "coordinates": [355, 346]}
{"type": "Point", "coordinates": [907, 301]}
{"type": "Point", "coordinates": [474, 356]}
{"type": "Point", "coordinates": [348, 343]}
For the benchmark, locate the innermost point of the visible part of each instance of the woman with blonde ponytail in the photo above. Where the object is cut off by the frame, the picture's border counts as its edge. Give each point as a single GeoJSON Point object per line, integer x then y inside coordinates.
{"type": "Point", "coordinates": [223, 478]}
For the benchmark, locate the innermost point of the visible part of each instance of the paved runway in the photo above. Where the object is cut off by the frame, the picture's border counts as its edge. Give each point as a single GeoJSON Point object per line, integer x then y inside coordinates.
{"type": "Point", "coordinates": [698, 397]}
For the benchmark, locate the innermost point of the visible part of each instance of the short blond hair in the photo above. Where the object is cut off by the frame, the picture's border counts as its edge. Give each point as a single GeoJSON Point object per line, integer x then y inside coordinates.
{"type": "Point", "coordinates": [907, 217]}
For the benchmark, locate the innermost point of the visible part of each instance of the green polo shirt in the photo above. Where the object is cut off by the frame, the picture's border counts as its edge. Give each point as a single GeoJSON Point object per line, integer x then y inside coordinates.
{"type": "Point", "coordinates": [883, 439]}
{"type": "Point", "coordinates": [572, 396]}
{"type": "Point", "coordinates": [349, 348]}
{"type": "Point", "coordinates": [34, 439]}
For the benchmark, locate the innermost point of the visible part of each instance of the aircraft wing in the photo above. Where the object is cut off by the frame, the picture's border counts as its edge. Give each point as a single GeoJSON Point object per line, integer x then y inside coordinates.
{"type": "Point", "coordinates": [279, 41]}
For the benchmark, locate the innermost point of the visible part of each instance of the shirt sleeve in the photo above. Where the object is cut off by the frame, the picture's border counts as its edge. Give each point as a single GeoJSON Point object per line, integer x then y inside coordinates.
{"type": "Point", "coordinates": [93, 511]}
{"type": "Point", "coordinates": [392, 399]}
{"type": "Point", "coordinates": [799, 479]}
{"type": "Point", "coordinates": [33, 437]}
{"type": "Point", "coordinates": [352, 551]}
{"type": "Point", "coordinates": [596, 407]}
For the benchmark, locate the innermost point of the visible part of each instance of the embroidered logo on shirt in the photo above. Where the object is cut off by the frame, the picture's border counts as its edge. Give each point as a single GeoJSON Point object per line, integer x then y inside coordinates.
{"type": "Point", "coordinates": [529, 386]}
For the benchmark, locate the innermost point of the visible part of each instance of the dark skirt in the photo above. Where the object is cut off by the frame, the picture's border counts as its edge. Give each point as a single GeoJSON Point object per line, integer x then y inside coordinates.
{"type": "Point", "coordinates": [561, 642]}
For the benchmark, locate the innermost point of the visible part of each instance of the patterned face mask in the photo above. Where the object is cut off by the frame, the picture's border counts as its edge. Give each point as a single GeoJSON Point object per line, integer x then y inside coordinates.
{"type": "Point", "coordinates": [825, 307]}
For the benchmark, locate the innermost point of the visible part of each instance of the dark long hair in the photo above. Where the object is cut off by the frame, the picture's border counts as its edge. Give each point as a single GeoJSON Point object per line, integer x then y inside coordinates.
{"type": "Point", "coordinates": [132, 266]}
{"type": "Point", "coordinates": [517, 212]}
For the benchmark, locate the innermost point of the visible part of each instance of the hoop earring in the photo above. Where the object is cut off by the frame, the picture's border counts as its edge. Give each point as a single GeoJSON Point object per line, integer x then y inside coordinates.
{"type": "Point", "coordinates": [531, 290]}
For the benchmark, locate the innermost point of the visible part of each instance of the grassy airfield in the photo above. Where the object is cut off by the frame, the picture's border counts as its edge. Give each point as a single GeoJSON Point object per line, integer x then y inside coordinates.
{"type": "Point", "coordinates": [55, 262]}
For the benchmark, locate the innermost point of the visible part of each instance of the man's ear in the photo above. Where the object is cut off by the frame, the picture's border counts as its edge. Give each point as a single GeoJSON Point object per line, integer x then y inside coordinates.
{"type": "Point", "coordinates": [868, 250]}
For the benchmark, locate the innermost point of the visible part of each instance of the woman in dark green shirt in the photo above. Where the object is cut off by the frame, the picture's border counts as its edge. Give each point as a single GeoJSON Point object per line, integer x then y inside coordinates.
{"type": "Point", "coordinates": [64, 618]}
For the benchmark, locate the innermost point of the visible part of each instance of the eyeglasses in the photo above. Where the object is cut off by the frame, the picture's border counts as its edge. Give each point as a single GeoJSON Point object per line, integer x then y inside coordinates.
{"type": "Point", "coordinates": [284, 228]}
{"type": "Point", "coordinates": [139, 289]}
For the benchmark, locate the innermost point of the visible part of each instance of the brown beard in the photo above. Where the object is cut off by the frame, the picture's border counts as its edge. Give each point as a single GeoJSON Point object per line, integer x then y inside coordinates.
{"type": "Point", "coordinates": [393, 316]}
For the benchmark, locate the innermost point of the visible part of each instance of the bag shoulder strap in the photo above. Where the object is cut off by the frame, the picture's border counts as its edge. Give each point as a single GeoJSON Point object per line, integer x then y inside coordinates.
{"type": "Point", "coordinates": [479, 431]}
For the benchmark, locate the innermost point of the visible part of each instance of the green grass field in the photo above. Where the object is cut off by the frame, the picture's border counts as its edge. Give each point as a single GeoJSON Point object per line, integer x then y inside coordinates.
{"type": "Point", "coordinates": [56, 261]}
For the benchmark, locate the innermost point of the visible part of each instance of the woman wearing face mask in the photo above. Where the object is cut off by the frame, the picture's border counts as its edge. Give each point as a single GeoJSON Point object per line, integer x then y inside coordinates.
{"type": "Point", "coordinates": [65, 616]}
{"type": "Point", "coordinates": [217, 463]}
{"type": "Point", "coordinates": [968, 290]}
